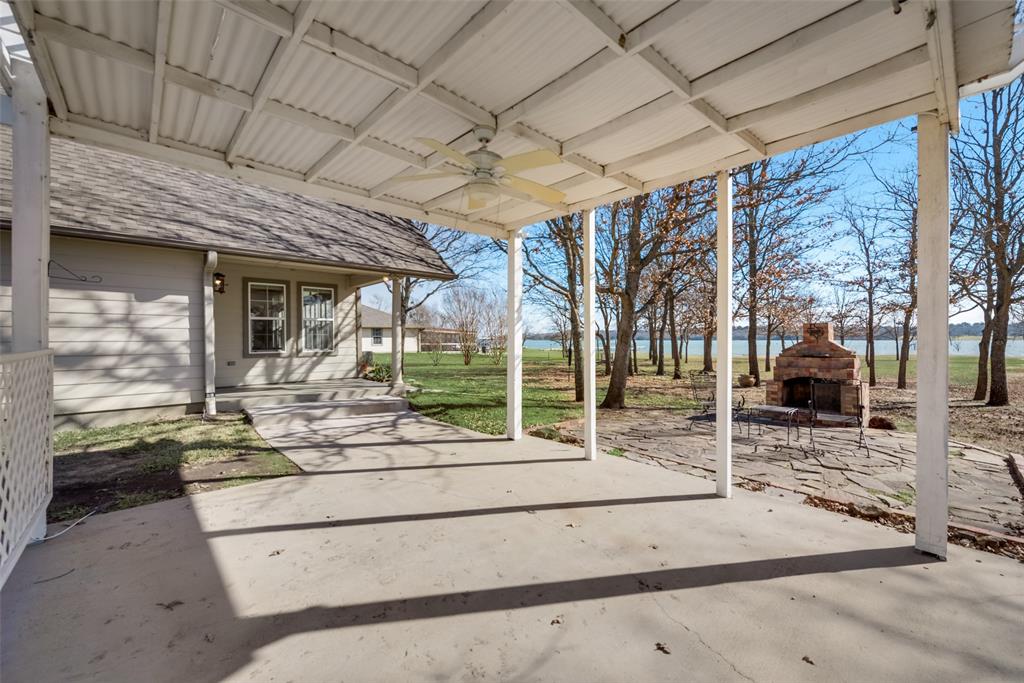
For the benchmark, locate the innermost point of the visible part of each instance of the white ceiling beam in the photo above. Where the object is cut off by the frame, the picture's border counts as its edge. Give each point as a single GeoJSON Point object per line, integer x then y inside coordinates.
{"type": "Point", "coordinates": [662, 151]}
{"type": "Point", "coordinates": [163, 27]}
{"type": "Point", "coordinates": [613, 34]}
{"type": "Point", "coordinates": [143, 61]}
{"type": "Point", "coordinates": [653, 28]}
{"type": "Point", "coordinates": [363, 56]}
{"type": "Point", "coordinates": [939, 29]}
{"type": "Point", "coordinates": [474, 29]}
{"type": "Point", "coordinates": [459, 106]}
{"type": "Point", "coordinates": [621, 123]}
{"type": "Point", "coordinates": [286, 48]}
{"type": "Point", "coordinates": [865, 78]}
{"type": "Point", "coordinates": [672, 77]}
{"type": "Point", "coordinates": [39, 53]}
{"type": "Point", "coordinates": [557, 88]}
{"type": "Point", "coordinates": [820, 31]}
{"type": "Point", "coordinates": [265, 13]}
{"type": "Point", "coordinates": [280, 179]}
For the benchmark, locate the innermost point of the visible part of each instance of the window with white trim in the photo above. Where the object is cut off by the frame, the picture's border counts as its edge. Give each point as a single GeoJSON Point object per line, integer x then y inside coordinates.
{"type": "Point", "coordinates": [317, 328]}
{"type": "Point", "coordinates": [268, 321]}
{"type": "Point", "coordinates": [377, 336]}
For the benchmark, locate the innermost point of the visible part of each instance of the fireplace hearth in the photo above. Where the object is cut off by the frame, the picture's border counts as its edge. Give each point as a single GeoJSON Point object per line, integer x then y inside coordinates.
{"type": "Point", "coordinates": [819, 370]}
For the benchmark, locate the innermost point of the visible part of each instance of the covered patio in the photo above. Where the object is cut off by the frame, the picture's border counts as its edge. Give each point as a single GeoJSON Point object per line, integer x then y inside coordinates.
{"type": "Point", "coordinates": [413, 550]}
{"type": "Point", "coordinates": [598, 570]}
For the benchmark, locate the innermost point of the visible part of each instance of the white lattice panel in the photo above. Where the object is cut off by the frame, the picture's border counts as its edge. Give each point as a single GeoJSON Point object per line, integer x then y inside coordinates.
{"type": "Point", "coordinates": [26, 449]}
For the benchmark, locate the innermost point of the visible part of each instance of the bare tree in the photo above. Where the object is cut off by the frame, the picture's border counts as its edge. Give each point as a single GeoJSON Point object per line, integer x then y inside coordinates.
{"type": "Point", "coordinates": [988, 168]}
{"type": "Point", "coordinates": [842, 310]}
{"type": "Point", "coordinates": [493, 325]}
{"type": "Point", "coordinates": [867, 260]}
{"type": "Point", "coordinates": [466, 253]}
{"type": "Point", "coordinates": [464, 312]}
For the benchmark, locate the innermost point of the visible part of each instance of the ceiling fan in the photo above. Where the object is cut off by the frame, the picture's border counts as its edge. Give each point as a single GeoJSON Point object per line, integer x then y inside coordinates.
{"type": "Point", "coordinates": [488, 174]}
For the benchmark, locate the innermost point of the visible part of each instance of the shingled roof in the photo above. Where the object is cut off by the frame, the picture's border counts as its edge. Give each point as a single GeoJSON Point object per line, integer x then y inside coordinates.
{"type": "Point", "coordinates": [100, 193]}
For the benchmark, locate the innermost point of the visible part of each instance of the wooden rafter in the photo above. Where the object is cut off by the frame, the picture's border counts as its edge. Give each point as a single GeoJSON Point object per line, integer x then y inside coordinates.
{"type": "Point", "coordinates": [163, 27]}
{"type": "Point", "coordinates": [938, 18]}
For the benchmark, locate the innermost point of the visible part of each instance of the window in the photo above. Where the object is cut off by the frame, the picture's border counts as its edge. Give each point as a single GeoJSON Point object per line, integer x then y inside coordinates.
{"type": "Point", "coordinates": [377, 336]}
{"type": "Point", "coordinates": [267, 317]}
{"type": "Point", "coordinates": [317, 318]}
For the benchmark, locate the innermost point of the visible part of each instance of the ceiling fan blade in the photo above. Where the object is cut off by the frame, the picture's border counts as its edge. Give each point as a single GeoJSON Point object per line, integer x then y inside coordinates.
{"type": "Point", "coordinates": [428, 176]}
{"type": "Point", "coordinates": [523, 162]}
{"type": "Point", "coordinates": [444, 149]}
{"type": "Point", "coordinates": [542, 192]}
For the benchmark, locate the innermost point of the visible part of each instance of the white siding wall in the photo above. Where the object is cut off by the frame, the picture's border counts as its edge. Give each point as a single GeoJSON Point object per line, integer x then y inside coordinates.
{"type": "Point", "coordinates": [133, 340]}
{"type": "Point", "coordinates": [412, 342]}
{"type": "Point", "coordinates": [234, 368]}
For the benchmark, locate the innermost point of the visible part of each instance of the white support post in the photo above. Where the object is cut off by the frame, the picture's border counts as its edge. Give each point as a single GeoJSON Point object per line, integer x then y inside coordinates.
{"type": "Point", "coordinates": [30, 234]}
{"type": "Point", "coordinates": [397, 333]}
{"type": "Point", "coordinates": [932, 335]}
{"type": "Point", "coordinates": [209, 341]}
{"type": "Point", "coordinates": [589, 369]}
{"type": "Point", "coordinates": [30, 226]}
{"type": "Point", "coordinates": [514, 326]}
{"type": "Point", "coordinates": [723, 389]}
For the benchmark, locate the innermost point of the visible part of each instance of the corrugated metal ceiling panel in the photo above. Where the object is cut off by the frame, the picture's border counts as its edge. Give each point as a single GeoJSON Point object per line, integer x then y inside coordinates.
{"type": "Point", "coordinates": [284, 144]}
{"type": "Point", "coordinates": [698, 155]}
{"type": "Point", "coordinates": [407, 30]}
{"type": "Point", "coordinates": [669, 125]}
{"type": "Point", "coordinates": [102, 88]}
{"type": "Point", "coordinates": [197, 120]}
{"type": "Point", "coordinates": [131, 23]}
{"type": "Point", "coordinates": [886, 36]}
{"type": "Point", "coordinates": [534, 44]}
{"type": "Point", "coordinates": [241, 53]}
{"type": "Point", "coordinates": [903, 86]}
{"type": "Point", "coordinates": [628, 14]}
{"type": "Point", "coordinates": [361, 167]}
{"type": "Point", "coordinates": [326, 85]}
{"type": "Point", "coordinates": [720, 32]}
{"type": "Point", "coordinates": [607, 94]}
{"type": "Point", "coordinates": [421, 118]}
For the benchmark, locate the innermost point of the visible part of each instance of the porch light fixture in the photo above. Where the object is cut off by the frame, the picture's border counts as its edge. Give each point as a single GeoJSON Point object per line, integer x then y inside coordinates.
{"type": "Point", "coordinates": [219, 283]}
{"type": "Point", "coordinates": [481, 192]}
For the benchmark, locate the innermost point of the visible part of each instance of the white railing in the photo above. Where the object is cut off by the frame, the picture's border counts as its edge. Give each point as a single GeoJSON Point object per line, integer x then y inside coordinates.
{"type": "Point", "coordinates": [26, 449]}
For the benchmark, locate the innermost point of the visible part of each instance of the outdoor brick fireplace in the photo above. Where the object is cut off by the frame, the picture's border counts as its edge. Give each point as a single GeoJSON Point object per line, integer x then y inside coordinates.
{"type": "Point", "coordinates": [834, 371]}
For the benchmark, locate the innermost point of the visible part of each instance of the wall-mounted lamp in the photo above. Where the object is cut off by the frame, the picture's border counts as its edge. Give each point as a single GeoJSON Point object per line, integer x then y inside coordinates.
{"type": "Point", "coordinates": [219, 283]}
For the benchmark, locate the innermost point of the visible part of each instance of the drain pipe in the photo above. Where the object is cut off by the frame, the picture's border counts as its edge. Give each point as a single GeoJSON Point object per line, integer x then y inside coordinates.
{"type": "Point", "coordinates": [210, 374]}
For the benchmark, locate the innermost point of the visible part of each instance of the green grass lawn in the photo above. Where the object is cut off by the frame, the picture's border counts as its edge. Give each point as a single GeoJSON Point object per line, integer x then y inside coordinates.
{"type": "Point", "coordinates": [135, 464]}
{"type": "Point", "coordinates": [474, 396]}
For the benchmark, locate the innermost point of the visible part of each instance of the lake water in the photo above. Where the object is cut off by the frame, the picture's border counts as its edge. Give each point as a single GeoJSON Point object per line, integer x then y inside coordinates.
{"type": "Point", "coordinates": [883, 347]}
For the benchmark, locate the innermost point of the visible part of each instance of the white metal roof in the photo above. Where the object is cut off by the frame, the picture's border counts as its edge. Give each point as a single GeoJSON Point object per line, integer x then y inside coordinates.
{"type": "Point", "coordinates": [327, 98]}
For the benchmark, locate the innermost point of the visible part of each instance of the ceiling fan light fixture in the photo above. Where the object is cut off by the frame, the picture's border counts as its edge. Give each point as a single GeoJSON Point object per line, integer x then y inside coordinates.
{"type": "Point", "coordinates": [482, 192]}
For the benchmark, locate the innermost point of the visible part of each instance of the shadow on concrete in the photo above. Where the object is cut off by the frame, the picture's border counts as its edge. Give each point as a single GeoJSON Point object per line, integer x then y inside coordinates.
{"type": "Point", "coordinates": [455, 514]}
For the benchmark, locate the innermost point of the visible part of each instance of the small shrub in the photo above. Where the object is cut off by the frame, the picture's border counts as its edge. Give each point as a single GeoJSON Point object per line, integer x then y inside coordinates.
{"type": "Point", "coordinates": [879, 422]}
{"type": "Point", "coordinates": [379, 373]}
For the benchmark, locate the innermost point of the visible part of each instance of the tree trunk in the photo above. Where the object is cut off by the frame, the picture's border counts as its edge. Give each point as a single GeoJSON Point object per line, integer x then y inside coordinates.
{"type": "Point", "coordinates": [901, 377]}
{"type": "Point", "coordinates": [661, 337]}
{"type": "Point", "coordinates": [998, 393]}
{"type": "Point", "coordinates": [677, 371]}
{"type": "Point", "coordinates": [870, 342]}
{"type": "Point", "coordinates": [652, 352]}
{"type": "Point", "coordinates": [576, 354]}
{"type": "Point", "coordinates": [768, 347]}
{"type": "Point", "coordinates": [708, 367]}
{"type": "Point", "coordinates": [635, 366]}
{"type": "Point", "coordinates": [984, 346]}
{"type": "Point", "coordinates": [616, 396]}
{"type": "Point", "coordinates": [607, 338]}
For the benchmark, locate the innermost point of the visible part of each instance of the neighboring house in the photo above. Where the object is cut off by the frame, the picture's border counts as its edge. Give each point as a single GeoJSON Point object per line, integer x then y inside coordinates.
{"type": "Point", "coordinates": [375, 332]}
{"type": "Point", "coordinates": [138, 251]}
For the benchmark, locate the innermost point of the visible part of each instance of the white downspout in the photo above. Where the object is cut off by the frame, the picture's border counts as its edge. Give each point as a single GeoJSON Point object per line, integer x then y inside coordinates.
{"type": "Point", "coordinates": [210, 373]}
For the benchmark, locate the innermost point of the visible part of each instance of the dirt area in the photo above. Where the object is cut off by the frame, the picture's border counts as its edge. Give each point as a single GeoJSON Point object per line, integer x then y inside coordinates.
{"type": "Point", "coordinates": [113, 468]}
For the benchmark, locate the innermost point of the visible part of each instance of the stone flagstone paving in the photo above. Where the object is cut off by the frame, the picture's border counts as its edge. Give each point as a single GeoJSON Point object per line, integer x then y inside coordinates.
{"type": "Point", "coordinates": [981, 490]}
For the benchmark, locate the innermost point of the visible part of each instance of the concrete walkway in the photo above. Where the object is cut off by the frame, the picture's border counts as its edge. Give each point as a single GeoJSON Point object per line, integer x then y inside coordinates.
{"type": "Point", "coordinates": [412, 551]}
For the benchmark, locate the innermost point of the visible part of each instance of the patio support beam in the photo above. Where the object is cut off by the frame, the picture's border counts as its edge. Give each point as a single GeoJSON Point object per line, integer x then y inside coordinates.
{"type": "Point", "coordinates": [933, 335]}
{"type": "Point", "coordinates": [397, 332]}
{"type": "Point", "coordinates": [30, 233]}
{"type": "Point", "coordinates": [589, 368]}
{"type": "Point", "coordinates": [163, 27]}
{"type": "Point", "coordinates": [209, 341]}
{"type": "Point", "coordinates": [723, 389]}
{"type": "Point", "coordinates": [938, 15]}
{"type": "Point", "coordinates": [30, 224]}
{"type": "Point", "coordinates": [514, 339]}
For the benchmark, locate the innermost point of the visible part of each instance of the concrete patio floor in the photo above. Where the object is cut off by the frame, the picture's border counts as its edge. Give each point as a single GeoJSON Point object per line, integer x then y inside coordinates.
{"type": "Point", "coordinates": [411, 550]}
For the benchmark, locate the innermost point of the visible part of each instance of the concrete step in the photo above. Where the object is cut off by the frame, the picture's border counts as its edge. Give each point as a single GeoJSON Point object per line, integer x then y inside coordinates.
{"type": "Point", "coordinates": [292, 413]}
{"type": "Point", "coordinates": [233, 401]}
